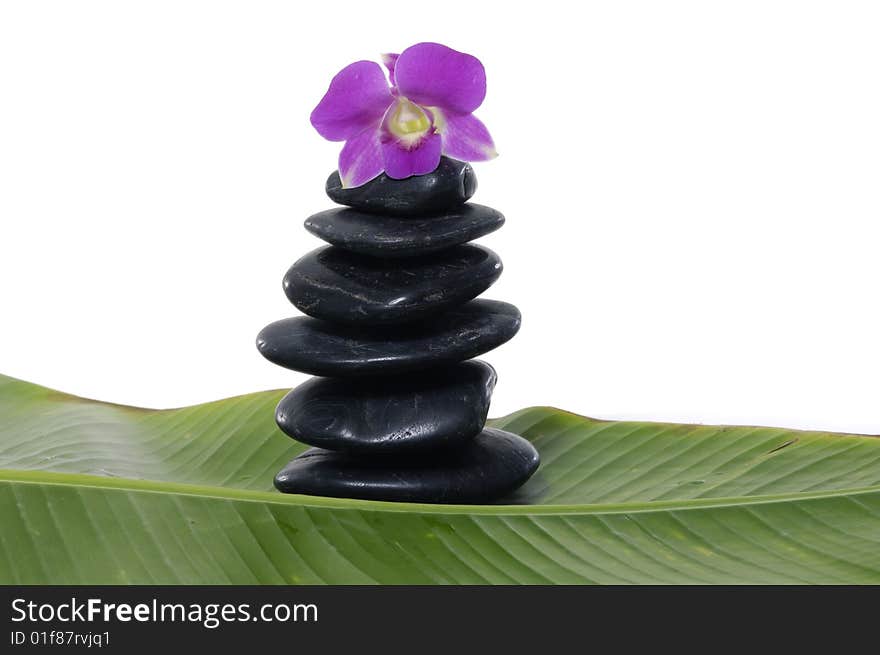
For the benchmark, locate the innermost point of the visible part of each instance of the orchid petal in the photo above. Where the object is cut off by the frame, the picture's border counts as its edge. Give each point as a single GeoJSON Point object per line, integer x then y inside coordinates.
{"type": "Point", "coordinates": [402, 160]}
{"type": "Point", "coordinates": [361, 158]}
{"type": "Point", "coordinates": [464, 136]}
{"type": "Point", "coordinates": [390, 61]}
{"type": "Point", "coordinates": [357, 98]}
{"type": "Point", "coordinates": [434, 75]}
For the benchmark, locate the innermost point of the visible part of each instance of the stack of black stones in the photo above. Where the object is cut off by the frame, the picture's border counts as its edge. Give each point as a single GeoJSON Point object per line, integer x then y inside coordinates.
{"type": "Point", "coordinates": [397, 412]}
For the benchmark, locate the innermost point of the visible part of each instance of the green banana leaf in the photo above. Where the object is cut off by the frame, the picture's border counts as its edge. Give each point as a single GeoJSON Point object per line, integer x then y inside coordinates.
{"type": "Point", "coordinates": [94, 493]}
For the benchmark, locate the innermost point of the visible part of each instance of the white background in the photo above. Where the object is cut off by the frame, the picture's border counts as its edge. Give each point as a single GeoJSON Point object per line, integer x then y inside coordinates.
{"type": "Point", "coordinates": [691, 191]}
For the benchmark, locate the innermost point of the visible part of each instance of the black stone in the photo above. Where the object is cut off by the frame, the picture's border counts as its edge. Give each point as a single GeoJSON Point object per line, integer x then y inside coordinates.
{"type": "Point", "coordinates": [397, 236]}
{"type": "Point", "coordinates": [450, 185]}
{"type": "Point", "coordinates": [487, 468]}
{"type": "Point", "coordinates": [418, 412]}
{"type": "Point", "coordinates": [336, 285]}
{"type": "Point", "coordinates": [321, 348]}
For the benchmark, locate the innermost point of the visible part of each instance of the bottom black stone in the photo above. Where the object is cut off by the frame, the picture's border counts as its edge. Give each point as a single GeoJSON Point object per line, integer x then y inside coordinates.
{"type": "Point", "coordinates": [489, 467]}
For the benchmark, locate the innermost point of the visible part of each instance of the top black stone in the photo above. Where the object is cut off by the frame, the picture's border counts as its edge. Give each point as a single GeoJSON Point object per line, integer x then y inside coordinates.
{"type": "Point", "coordinates": [450, 185]}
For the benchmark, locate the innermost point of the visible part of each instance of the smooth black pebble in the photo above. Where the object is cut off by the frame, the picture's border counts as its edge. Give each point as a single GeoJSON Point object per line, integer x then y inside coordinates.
{"type": "Point", "coordinates": [335, 285]}
{"type": "Point", "coordinates": [487, 468]}
{"type": "Point", "coordinates": [403, 236]}
{"type": "Point", "coordinates": [318, 347]}
{"type": "Point", "coordinates": [451, 184]}
{"type": "Point", "coordinates": [418, 412]}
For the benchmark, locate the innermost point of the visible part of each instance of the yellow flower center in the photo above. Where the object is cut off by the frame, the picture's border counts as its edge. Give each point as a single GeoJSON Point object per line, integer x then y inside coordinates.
{"type": "Point", "coordinates": [408, 120]}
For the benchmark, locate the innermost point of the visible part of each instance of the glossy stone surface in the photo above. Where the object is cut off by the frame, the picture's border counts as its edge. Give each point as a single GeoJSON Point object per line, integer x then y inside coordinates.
{"type": "Point", "coordinates": [321, 348]}
{"type": "Point", "coordinates": [401, 236]}
{"type": "Point", "coordinates": [487, 468]}
{"type": "Point", "coordinates": [336, 285]}
{"type": "Point", "coordinates": [417, 412]}
{"type": "Point", "coordinates": [449, 186]}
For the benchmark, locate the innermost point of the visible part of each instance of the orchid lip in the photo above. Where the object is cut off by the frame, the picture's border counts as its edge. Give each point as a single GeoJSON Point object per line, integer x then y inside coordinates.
{"type": "Point", "coordinates": [407, 121]}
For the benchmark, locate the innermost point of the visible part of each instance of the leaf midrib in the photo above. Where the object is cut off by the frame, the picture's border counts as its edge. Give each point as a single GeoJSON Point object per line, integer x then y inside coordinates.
{"type": "Point", "coordinates": [78, 480]}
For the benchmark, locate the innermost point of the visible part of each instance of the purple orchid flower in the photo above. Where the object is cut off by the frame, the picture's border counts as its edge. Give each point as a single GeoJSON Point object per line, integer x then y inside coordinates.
{"type": "Point", "coordinates": [404, 128]}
